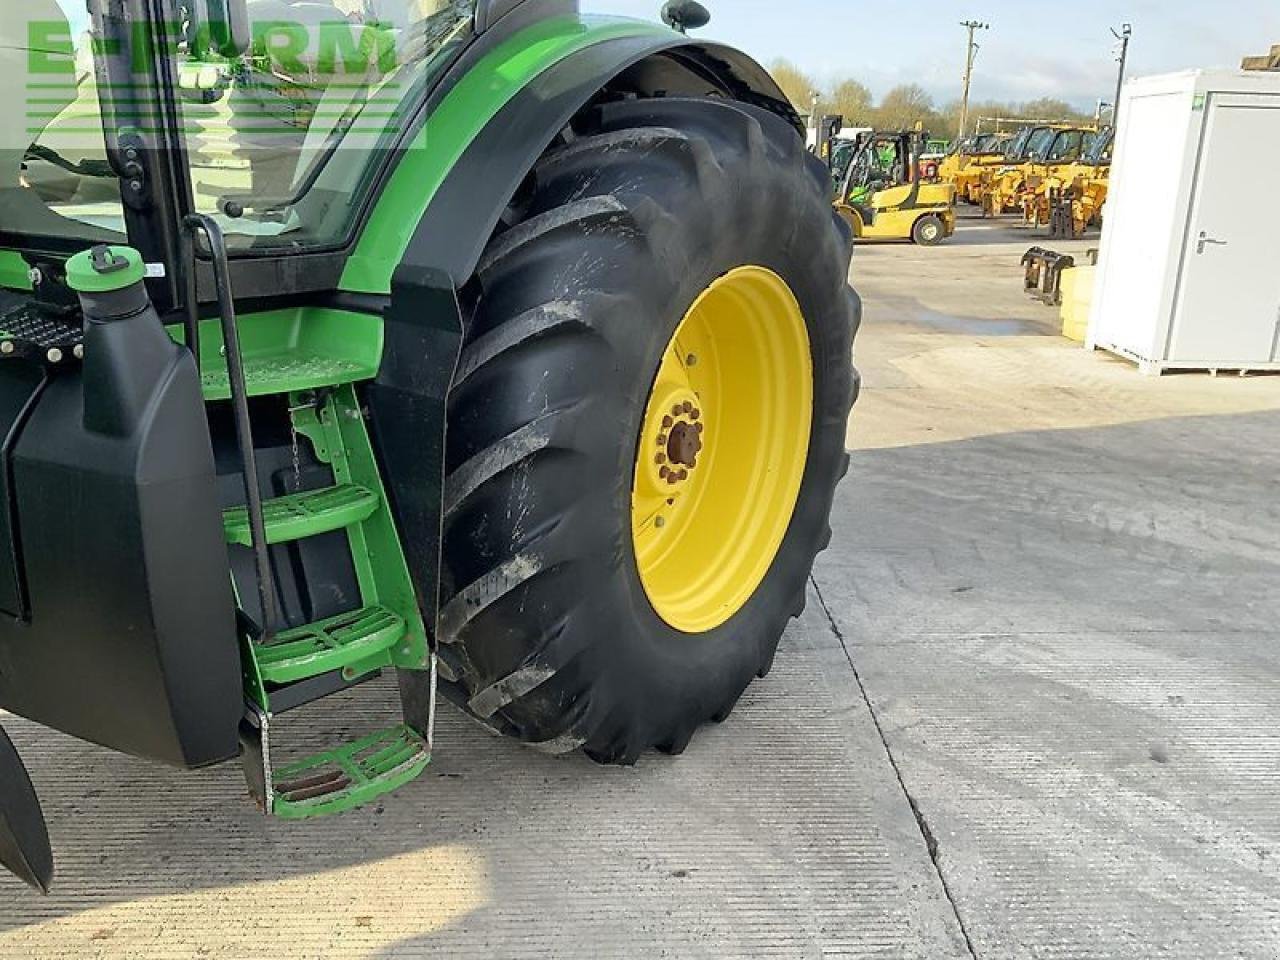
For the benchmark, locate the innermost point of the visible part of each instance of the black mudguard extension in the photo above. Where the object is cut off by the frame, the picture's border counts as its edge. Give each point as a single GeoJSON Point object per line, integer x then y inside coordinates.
{"type": "Point", "coordinates": [118, 618]}
{"type": "Point", "coordinates": [24, 839]}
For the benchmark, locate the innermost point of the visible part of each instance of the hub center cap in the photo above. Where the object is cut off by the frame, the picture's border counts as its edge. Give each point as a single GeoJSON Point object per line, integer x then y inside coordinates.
{"type": "Point", "coordinates": [680, 439]}
{"type": "Point", "coordinates": [685, 444]}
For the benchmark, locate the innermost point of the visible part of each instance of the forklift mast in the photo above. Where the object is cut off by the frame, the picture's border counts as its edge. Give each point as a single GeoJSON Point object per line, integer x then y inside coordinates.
{"type": "Point", "coordinates": [829, 127]}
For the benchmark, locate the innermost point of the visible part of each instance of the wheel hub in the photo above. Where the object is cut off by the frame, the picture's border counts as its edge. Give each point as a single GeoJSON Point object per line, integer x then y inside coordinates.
{"type": "Point", "coordinates": [722, 449]}
{"type": "Point", "coordinates": [684, 441]}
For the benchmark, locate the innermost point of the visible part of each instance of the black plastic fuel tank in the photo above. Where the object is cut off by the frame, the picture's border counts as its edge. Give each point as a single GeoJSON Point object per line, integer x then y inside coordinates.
{"type": "Point", "coordinates": [120, 625]}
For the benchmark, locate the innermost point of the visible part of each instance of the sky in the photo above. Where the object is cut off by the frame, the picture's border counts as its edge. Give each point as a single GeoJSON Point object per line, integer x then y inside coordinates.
{"type": "Point", "coordinates": [1032, 50]}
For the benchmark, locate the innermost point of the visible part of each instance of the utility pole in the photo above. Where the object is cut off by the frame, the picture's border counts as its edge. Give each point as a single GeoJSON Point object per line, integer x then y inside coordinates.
{"type": "Point", "coordinates": [1123, 36]}
{"type": "Point", "coordinates": [971, 53]}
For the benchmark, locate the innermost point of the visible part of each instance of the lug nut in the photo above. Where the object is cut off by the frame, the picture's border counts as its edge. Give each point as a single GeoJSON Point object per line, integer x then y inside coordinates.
{"type": "Point", "coordinates": [683, 475]}
{"type": "Point", "coordinates": [667, 423]}
{"type": "Point", "coordinates": [698, 427]}
{"type": "Point", "coordinates": [78, 350]}
{"type": "Point", "coordinates": [660, 459]}
{"type": "Point", "coordinates": [686, 407]}
{"type": "Point", "coordinates": [662, 440]}
{"type": "Point", "coordinates": [664, 473]}
{"type": "Point", "coordinates": [696, 414]}
{"type": "Point", "coordinates": [54, 355]}
{"type": "Point", "coordinates": [6, 347]}
{"type": "Point", "coordinates": [677, 410]}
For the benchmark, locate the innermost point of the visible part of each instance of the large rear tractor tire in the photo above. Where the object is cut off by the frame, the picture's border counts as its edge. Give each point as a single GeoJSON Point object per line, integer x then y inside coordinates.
{"type": "Point", "coordinates": [646, 428]}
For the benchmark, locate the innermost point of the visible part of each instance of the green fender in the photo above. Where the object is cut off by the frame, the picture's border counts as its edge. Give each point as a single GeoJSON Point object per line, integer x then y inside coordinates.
{"type": "Point", "coordinates": [442, 201]}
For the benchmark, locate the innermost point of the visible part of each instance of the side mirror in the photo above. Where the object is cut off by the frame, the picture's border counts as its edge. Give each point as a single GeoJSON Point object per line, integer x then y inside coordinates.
{"type": "Point", "coordinates": [685, 15]}
{"type": "Point", "coordinates": [24, 839]}
{"type": "Point", "coordinates": [229, 29]}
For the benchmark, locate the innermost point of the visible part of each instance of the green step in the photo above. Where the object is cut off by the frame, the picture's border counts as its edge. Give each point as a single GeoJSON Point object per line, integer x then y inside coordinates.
{"type": "Point", "coordinates": [299, 348]}
{"type": "Point", "coordinates": [350, 776]}
{"type": "Point", "coordinates": [285, 371]}
{"type": "Point", "coordinates": [306, 514]}
{"type": "Point", "coordinates": [332, 644]}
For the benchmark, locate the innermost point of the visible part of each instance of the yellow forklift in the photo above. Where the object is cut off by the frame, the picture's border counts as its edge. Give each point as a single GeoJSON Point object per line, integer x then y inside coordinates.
{"type": "Point", "coordinates": [882, 195]}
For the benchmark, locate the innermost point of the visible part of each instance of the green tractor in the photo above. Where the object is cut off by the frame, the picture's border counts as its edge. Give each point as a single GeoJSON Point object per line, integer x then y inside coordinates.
{"type": "Point", "coordinates": [482, 342]}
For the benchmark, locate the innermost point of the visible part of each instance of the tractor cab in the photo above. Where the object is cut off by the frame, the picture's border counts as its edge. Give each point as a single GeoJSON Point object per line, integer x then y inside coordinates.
{"type": "Point", "coordinates": [987, 144]}
{"type": "Point", "coordinates": [883, 195]}
{"type": "Point", "coordinates": [1099, 147]}
{"type": "Point", "coordinates": [1018, 148]}
{"type": "Point", "coordinates": [1066, 146]}
{"type": "Point", "coordinates": [1062, 149]}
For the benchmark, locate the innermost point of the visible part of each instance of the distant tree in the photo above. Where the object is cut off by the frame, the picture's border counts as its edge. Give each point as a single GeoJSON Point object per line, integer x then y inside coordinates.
{"type": "Point", "coordinates": [1042, 109]}
{"type": "Point", "coordinates": [795, 83]}
{"type": "Point", "coordinates": [1048, 108]}
{"type": "Point", "coordinates": [908, 104]}
{"type": "Point", "coordinates": [851, 100]}
{"type": "Point", "coordinates": [904, 106]}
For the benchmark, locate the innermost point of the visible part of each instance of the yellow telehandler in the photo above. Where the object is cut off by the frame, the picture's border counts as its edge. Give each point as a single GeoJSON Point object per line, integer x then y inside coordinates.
{"type": "Point", "coordinates": [1075, 198]}
{"type": "Point", "coordinates": [1057, 166]}
{"type": "Point", "coordinates": [963, 167]}
{"type": "Point", "coordinates": [1003, 186]}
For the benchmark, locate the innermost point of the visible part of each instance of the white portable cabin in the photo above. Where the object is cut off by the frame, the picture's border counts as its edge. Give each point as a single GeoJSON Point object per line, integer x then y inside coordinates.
{"type": "Point", "coordinates": [1189, 264]}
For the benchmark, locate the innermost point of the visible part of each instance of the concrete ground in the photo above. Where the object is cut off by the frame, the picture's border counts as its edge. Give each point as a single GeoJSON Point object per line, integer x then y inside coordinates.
{"type": "Point", "coordinates": [1031, 711]}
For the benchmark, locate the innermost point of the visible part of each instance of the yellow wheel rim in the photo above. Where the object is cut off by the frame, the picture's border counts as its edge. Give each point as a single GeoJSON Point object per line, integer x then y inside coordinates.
{"type": "Point", "coordinates": [723, 449]}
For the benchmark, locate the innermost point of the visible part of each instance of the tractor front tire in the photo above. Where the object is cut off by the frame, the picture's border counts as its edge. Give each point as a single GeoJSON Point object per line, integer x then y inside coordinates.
{"type": "Point", "coordinates": [662, 331]}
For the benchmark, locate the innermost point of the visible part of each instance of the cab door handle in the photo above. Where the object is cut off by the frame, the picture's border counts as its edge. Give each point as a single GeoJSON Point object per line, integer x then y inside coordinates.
{"type": "Point", "coordinates": [1206, 240]}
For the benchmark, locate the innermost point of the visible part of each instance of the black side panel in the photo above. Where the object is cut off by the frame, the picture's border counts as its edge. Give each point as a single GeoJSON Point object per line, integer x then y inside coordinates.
{"type": "Point", "coordinates": [24, 839]}
{"type": "Point", "coordinates": [130, 639]}
{"type": "Point", "coordinates": [18, 392]}
{"type": "Point", "coordinates": [407, 409]}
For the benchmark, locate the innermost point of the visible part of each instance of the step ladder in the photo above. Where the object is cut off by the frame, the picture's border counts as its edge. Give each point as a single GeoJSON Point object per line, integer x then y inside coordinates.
{"type": "Point", "coordinates": [288, 666]}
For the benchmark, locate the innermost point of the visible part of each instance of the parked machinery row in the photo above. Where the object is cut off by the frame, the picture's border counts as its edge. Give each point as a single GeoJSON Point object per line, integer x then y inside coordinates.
{"type": "Point", "coordinates": [1055, 175]}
